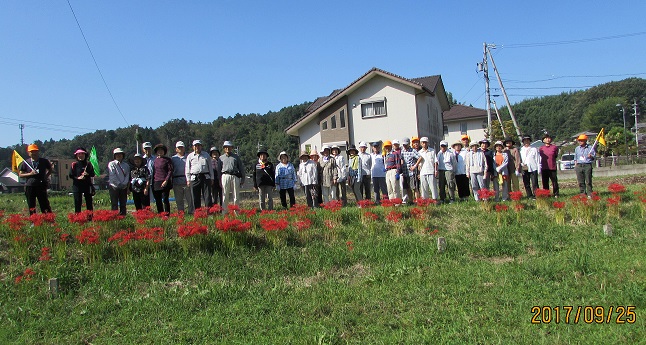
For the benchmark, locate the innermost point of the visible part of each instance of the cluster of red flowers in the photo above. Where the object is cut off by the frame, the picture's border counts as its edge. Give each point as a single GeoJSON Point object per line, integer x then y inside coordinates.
{"type": "Point", "coordinates": [350, 245]}
{"type": "Point", "coordinates": [329, 224]}
{"type": "Point", "coordinates": [21, 238]}
{"type": "Point", "coordinates": [106, 215]}
{"type": "Point", "coordinates": [613, 201]}
{"type": "Point", "coordinates": [152, 234]}
{"type": "Point", "coordinates": [558, 204]}
{"type": "Point", "coordinates": [519, 207]}
{"type": "Point", "coordinates": [232, 225]}
{"type": "Point", "coordinates": [423, 202]}
{"type": "Point", "coordinates": [515, 196]}
{"type": "Point", "coordinates": [501, 207]}
{"type": "Point", "coordinates": [432, 232]}
{"type": "Point", "coordinates": [365, 203]}
{"type": "Point", "coordinates": [417, 213]}
{"type": "Point", "coordinates": [26, 275]}
{"type": "Point", "coordinates": [249, 213]}
{"type": "Point", "coordinates": [201, 213]}
{"type": "Point", "coordinates": [370, 216]}
{"type": "Point", "coordinates": [394, 217]}
{"type": "Point", "coordinates": [39, 219]}
{"type": "Point", "coordinates": [542, 193]}
{"type": "Point", "coordinates": [302, 224]}
{"type": "Point", "coordinates": [215, 209]}
{"type": "Point", "coordinates": [88, 236]}
{"type": "Point", "coordinates": [274, 224]}
{"type": "Point", "coordinates": [45, 254]}
{"type": "Point", "coordinates": [333, 205]}
{"type": "Point", "coordinates": [80, 218]}
{"type": "Point", "coordinates": [391, 202]}
{"type": "Point", "coordinates": [143, 215]}
{"type": "Point", "coordinates": [16, 221]}
{"type": "Point", "coordinates": [486, 194]}
{"type": "Point", "coordinates": [616, 188]}
{"type": "Point", "coordinates": [191, 229]}
{"type": "Point", "coordinates": [233, 209]}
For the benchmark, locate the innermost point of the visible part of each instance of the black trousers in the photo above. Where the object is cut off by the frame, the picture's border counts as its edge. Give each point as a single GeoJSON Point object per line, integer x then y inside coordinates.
{"type": "Point", "coordinates": [118, 199]}
{"type": "Point", "coordinates": [162, 201]}
{"type": "Point", "coordinates": [283, 197]}
{"type": "Point", "coordinates": [141, 200]}
{"type": "Point", "coordinates": [365, 187]}
{"type": "Point", "coordinates": [462, 182]}
{"type": "Point", "coordinates": [546, 176]}
{"type": "Point", "coordinates": [78, 201]}
{"type": "Point", "coordinates": [201, 189]}
{"type": "Point", "coordinates": [39, 193]}
{"type": "Point", "coordinates": [530, 177]}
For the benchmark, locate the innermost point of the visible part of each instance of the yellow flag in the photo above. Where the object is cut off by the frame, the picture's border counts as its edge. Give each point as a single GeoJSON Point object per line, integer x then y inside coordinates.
{"type": "Point", "coordinates": [16, 159]}
{"type": "Point", "coordinates": [600, 138]}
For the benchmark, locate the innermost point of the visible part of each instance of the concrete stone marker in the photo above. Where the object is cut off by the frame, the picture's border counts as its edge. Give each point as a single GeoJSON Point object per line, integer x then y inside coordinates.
{"type": "Point", "coordinates": [441, 244]}
{"type": "Point", "coordinates": [607, 229]}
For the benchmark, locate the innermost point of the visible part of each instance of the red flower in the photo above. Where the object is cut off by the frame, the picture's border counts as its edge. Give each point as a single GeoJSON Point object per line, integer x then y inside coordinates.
{"type": "Point", "coordinates": [299, 210]}
{"type": "Point", "coordinates": [542, 193]}
{"type": "Point", "coordinates": [349, 245]}
{"type": "Point", "coordinates": [233, 209]}
{"type": "Point", "coordinates": [249, 213]}
{"type": "Point", "coordinates": [595, 196]}
{"type": "Point", "coordinates": [616, 188]}
{"type": "Point", "coordinates": [515, 196]}
{"type": "Point", "coordinates": [422, 202]}
{"type": "Point", "coordinates": [215, 209]}
{"type": "Point", "coordinates": [332, 206]}
{"type": "Point", "coordinates": [486, 194]}
{"type": "Point", "coordinates": [141, 216]}
{"type": "Point", "coordinates": [329, 224]}
{"type": "Point", "coordinates": [80, 218]}
{"type": "Point", "coordinates": [232, 224]}
{"type": "Point", "coordinates": [106, 215]}
{"type": "Point", "coordinates": [274, 225]}
{"type": "Point", "coordinates": [44, 254]}
{"type": "Point", "coordinates": [394, 216]}
{"type": "Point", "coordinates": [614, 201]}
{"type": "Point", "coordinates": [365, 203]}
{"type": "Point", "coordinates": [40, 218]}
{"type": "Point", "coordinates": [417, 213]}
{"type": "Point", "coordinates": [302, 224]}
{"type": "Point", "coordinates": [191, 229]}
{"type": "Point", "coordinates": [88, 236]}
{"type": "Point", "coordinates": [370, 216]}
{"type": "Point", "coordinates": [501, 207]}
{"type": "Point", "coordinates": [200, 213]}
{"type": "Point", "coordinates": [16, 221]}
{"type": "Point", "coordinates": [519, 207]}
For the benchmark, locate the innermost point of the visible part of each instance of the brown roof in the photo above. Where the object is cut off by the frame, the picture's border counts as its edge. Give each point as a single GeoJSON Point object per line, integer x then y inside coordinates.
{"type": "Point", "coordinates": [428, 84]}
{"type": "Point", "coordinates": [460, 112]}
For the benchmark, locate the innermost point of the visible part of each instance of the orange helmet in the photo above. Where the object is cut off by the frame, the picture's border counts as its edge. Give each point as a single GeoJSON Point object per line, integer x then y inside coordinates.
{"type": "Point", "coordinates": [32, 147]}
{"type": "Point", "coordinates": [414, 138]}
{"type": "Point", "coordinates": [388, 143]}
{"type": "Point", "coordinates": [582, 137]}
{"type": "Point", "coordinates": [465, 137]}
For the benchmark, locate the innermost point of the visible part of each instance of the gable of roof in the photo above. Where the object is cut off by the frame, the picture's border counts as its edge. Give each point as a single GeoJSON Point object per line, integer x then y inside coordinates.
{"type": "Point", "coordinates": [463, 112]}
{"type": "Point", "coordinates": [431, 84]}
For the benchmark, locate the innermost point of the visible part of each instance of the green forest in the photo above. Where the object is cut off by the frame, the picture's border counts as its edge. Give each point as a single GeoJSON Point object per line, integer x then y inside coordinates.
{"type": "Point", "coordinates": [561, 115]}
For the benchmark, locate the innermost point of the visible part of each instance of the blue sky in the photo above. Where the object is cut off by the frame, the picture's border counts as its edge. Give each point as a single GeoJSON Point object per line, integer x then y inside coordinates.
{"type": "Point", "coordinates": [203, 59]}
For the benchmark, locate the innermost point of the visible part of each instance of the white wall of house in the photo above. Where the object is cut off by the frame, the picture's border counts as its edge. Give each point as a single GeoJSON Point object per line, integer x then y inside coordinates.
{"type": "Point", "coordinates": [310, 134]}
{"type": "Point", "coordinates": [429, 117]}
{"type": "Point", "coordinates": [401, 111]}
{"type": "Point", "coordinates": [473, 126]}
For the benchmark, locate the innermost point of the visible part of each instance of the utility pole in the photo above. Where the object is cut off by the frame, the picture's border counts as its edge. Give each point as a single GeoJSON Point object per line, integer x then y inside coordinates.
{"type": "Point", "coordinates": [623, 113]}
{"type": "Point", "coordinates": [495, 106]}
{"type": "Point", "coordinates": [636, 128]}
{"type": "Point", "coordinates": [22, 138]}
{"type": "Point", "coordinates": [504, 93]}
{"type": "Point", "coordinates": [484, 66]}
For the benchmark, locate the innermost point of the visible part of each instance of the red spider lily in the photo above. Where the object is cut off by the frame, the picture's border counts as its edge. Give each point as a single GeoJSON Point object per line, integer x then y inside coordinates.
{"type": "Point", "coordinates": [191, 229]}
{"type": "Point", "coordinates": [349, 245]}
{"type": "Point", "coordinates": [106, 215]}
{"type": "Point", "coordinates": [519, 207]}
{"type": "Point", "coordinates": [40, 218]}
{"type": "Point", "coordinates": [215, 209]}
{"type": "Point", "coordinates": [365, 203]}
{"type": "Point", "coordinates": [329, 224]}
{"type": "Point", "coordinates": [155, 235]}
{"type": "Point", "coordinates": [163, 215]}
{"type": "Point", "coordinates": [613, 201]}
{"type": "Point", "coordinates": [64, 237]}
{"type": "Point", "coordinates": [595, 196]}
{"type": "Point", "coordinates": [22, 238]}
{"type": "Point", "coordinates": [249, 213]}
{"type": "Point", "coordinates": [501, 208]}
{"type": "Point", "coordinates": [16, 221]}
{"type": "Point", "coordinates": [391, 202]}
{"type": "Point", "coordinates": [333, 205]}
{"type": "Point", "coordinates": [233, 209]}
{"type": "Point", "coordinates": [370, 216]}
{"type": "Point", "coordinates": [143, 215]}
{"type": "Point", "coordinates": [80, 218]}
{"type": "Point", "coordinates": [423, 202]}
{"type": "Point", "coordinates": [616, 188]}
{"type": "Point", "coordinates": [394, 216]}
{"type": "Point", "coordinates": [1, 214]}
{"type": "Point", "coordinates": [417, 213]}
{"type": "Point", "coordinates": [274, 225]}
{"type": "Point", "coordinates": [302, 224]}
{"type": "Point", "coordinates": [179, 216]}
{"type": "Point", "coordinates": [88, 236]}
{"type": "Point", "coordinates": [299, 210]}
{"type": "Point", "coordinates": [267, 212]}
{"type": "Point", "coordinates": [542, 193]}
{"type": "Point", "coordinates": [515, 196]}
{"type": "Point", "coordinates": [44, 254]}
{"type": "Point", "coordinates": [201, 213]}
{"type": "Point", "coordinates": [26, 275]}
{"type": "Point", "coordinates": [232, 225]}
{"type": "Point", "coordinates": [486, 194]}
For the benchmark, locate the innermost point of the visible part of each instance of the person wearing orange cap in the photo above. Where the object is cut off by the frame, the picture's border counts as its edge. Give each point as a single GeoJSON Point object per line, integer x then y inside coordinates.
{"type": "Point", "coordinates": [584, 155]}
{"type": "Point", "coordinates": [36, 171]}
{"type": "Point", "coordinates": [465, 140]}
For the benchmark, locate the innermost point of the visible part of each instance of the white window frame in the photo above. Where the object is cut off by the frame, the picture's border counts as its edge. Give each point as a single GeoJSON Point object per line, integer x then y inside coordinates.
{"type": "Point", "coordinates": [463, 128]}
{"type": "Point", "coordinates": [371, 102]}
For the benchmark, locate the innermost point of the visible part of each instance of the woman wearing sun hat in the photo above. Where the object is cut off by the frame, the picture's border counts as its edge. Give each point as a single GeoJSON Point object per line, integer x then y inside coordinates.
{"type": "Point", "coordinates": [285, 179]}
{"type": "Point", "coordinates": [119, 178]}
{"type": "Point", "coordinates": [81, 173]}
{"type": "Point", "coordinates": [162, 176]}
{"type": "Point", "coordinates": [308, 174]}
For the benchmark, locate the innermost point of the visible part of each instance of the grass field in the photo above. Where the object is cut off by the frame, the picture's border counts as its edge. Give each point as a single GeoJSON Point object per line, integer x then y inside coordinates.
{"type": "Point", "coordinates": [344, 279]}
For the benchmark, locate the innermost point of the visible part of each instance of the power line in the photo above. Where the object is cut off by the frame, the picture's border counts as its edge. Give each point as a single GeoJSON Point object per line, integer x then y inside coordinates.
{"type": "Point", "coordinates": [572, 76]}
{"type": "Point", "coordinates": [96, 64]}
{"type": "Point", "coordinates": [584, 40]}
{"type": "Point", "coordinates": [6, 123]}
{"type": "Point", "coordinates": [549, 87]}
{"type": "Point", "coordinates": [49, 124]}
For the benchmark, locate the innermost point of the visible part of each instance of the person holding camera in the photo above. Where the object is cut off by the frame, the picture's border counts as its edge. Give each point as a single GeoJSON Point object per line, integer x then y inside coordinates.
{"type": "Point", "coordinates": [36, 170]}
{"type": "Point", "coordinates": [81, 173]}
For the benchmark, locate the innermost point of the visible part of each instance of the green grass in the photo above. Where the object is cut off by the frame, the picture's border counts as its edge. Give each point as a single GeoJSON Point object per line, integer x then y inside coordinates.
{"type": "Point", "coordinates": [312, 289]}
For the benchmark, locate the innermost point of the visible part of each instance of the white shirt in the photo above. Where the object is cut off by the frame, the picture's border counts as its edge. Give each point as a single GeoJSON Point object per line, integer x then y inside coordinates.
{"type": "Point", "coordinates": [530, 158]}
{"type": "Point", "coordinates": [307, 173]}
{"type": "Point", "coordinates": [428, 166]}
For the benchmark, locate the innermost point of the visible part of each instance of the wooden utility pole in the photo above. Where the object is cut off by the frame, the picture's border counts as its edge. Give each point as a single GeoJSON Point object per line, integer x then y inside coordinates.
{"type": "Point", "coordinates": [504, 93]}
{"type": "Point", "coordinates": [484, 67]}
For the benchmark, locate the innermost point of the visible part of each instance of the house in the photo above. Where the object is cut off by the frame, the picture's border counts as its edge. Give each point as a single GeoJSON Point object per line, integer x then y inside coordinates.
{"type": "Point", "coordinates": [10, 182]}
{"type": "Point", "coordinates": [461, 120]}
{"type": "Point", "coordinates": [60, 179]}
{"type": "Point", "coordinates": [376, 107]}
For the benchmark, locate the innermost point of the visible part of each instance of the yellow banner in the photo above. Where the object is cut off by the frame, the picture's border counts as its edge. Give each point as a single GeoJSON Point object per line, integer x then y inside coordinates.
{"type": "Point", "coordinates": [16, 159]}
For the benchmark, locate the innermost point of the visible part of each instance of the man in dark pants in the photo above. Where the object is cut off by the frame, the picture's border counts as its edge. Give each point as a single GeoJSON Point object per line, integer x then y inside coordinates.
{"type": "Point", "coordinates": [199, 175]}
{"type": "Point", "coordinates": [584, 157]}
{"type": "Point", "coordinates": [36, 170]}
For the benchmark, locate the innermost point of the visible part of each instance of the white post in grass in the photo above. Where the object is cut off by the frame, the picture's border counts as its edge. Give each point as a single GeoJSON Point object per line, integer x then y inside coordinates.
{"type": "Point", "coordinates": [607, 229]}
{"type": "Point", "coordinates": [53, 287]}
{"type": "Point", "coordinates": [441, 244]}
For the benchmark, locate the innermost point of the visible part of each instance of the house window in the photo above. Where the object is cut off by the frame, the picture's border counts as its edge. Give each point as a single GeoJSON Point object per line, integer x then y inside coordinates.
{"type": "Point", "coordinates": [485, 124]}
{"type": "Point", "coordinates": [463, 128]}
{"type": "Point", "coordinates": [308, 148]}
{"type": "Point", "coordinates": [446, 130]}
{"type": "Point", "coordinates": [333, 120]}
{"type": "Point", "coordinates": [324, 125]}
{"type": "Point", "coordinates": [373, 107]}
{"type": "Point", "coordinates": [342, 118]}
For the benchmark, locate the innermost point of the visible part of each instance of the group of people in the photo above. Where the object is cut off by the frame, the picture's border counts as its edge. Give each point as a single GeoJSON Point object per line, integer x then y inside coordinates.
{"type": "Point", "coordinates": [406, 170]}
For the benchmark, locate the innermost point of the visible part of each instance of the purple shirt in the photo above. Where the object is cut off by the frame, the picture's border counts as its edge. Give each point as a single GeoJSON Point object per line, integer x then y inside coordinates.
{"type": "Point", "coordinates": [548, 156]}
{"type": "Point", "coordinates": [163, 169]}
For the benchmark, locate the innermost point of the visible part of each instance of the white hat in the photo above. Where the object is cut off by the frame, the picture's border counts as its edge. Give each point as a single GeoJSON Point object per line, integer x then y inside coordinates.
{"type": "Point", "coordinates": [180, 144]}
{"type": "Point", "coordinates": [395, 142]}
{"type": "Point", "coordinates": [283, 153]}
{"type": "Point", "coordinates": [197, 142]}
{"type": "Point", "coordinates": [423, 139]}
{"type": "Point", "coordinates": [325, 147]}
{"type": "Point", "coordinates": [363, 144]}
{"type": "Point", "coordinates": [227, 143]}
{"type": "Point", "coordinates": [147, 144]}
{"type": "Point", "coordinates": [406, 141]}
{"type": "Point", "coordinates": [117, 150]}
{"type": "Point", "coordinates": [444, 143]}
